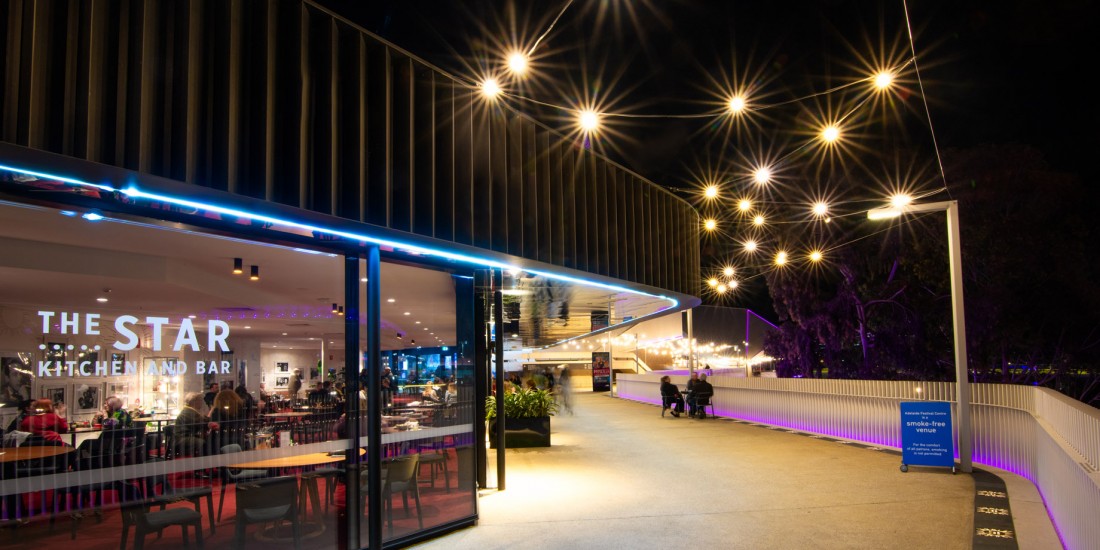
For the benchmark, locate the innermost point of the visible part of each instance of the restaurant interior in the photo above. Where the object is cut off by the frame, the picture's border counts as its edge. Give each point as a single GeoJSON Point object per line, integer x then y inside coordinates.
{"type": "Point", "coordinates": [150, 313]}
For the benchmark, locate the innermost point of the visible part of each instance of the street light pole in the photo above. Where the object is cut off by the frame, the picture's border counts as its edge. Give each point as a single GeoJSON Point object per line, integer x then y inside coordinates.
{"type": "Point", "coordinates": [958, 313]}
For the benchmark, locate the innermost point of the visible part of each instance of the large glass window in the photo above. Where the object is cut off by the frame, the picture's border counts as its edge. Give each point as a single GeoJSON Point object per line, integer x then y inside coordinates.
{"type": "Point", "coordinates": [156, 377]}
{"type": "Point", "coordinates": [426, 389]}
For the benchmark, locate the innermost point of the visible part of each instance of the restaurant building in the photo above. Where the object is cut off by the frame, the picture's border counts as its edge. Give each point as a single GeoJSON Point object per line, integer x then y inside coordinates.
{"type": "Point", "coordinates": [262, 195]}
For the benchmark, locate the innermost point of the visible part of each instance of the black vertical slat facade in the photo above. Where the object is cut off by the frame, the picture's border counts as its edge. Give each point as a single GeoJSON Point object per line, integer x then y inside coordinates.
{"type": "Point", "coordinates": [284, 102]}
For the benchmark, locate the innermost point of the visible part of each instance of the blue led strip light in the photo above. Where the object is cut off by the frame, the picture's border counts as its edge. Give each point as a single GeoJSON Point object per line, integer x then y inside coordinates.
{"type": "Point", "coordinates": [133, 191]}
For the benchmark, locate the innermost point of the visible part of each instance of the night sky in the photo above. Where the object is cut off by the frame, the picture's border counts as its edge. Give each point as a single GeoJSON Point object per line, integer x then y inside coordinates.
{"type": "Point", "coordinates": [993, 72]}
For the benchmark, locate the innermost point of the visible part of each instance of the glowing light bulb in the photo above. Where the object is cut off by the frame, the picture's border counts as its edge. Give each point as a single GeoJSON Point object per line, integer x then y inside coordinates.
{"type": "Point", "coordinates": [589, 120]}
{"type": "Point", "coordinates": [762, 175]}
{"type": "Point", "coordinates": [711, 191]}
{"type": "Point", "coordinates": [721, 289]}
{"type": "Point", "coordinates": [733, 285]}
{"type": "Point", "coordinates": [750, 246]}
{"type": "Point", "coordinates": [830, 134]}
{"type": "Point", "coordinates": [518, 63]}
{"type": "Point", "coordinates": [710, 225]}
{"type": "Point", "coordinates": [900, 200]}
{"type": "Point", "coordinates": [758, 220]}
{"type": "Point", "coordinates": [727, 271]}
{"type": "Point", "coordinates": [815, 256]}
{"type": "Point", "coordinates": [490, 88]}
{"type": "Point", "coordinates": [744, 205]}
{"type": "Point", "coordinates": [781, 258]}
{"type": "Point", "coordinates": [820, 209]}
{"type": "Point", "coordinates": [884, 79]}
{"type": "Point", "coordinates": [712, 282]}
{"type": "Point", "coordinates": [736, 104]}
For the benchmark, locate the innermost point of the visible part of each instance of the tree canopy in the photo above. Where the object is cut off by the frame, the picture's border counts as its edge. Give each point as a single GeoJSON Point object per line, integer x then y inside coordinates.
{"type": "Point", "coordinates": [881, 307]}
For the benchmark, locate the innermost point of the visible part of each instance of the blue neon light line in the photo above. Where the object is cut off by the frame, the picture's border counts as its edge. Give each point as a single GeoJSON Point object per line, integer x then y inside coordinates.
{"type": "Point", "coordinates": [133, 191]}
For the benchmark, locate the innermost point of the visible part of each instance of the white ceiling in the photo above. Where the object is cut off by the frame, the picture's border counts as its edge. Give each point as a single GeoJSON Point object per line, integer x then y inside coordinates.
{"type": "Point", "coordinates": [48, 260]}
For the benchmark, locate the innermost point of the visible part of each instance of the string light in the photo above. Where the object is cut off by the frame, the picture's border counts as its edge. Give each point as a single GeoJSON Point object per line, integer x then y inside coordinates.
{"type": "Point", "coordinates": [589, 120]}
{"type": "Point", "coordinates": [883, 80]}
{"type": "Point", "coordinates": [518, 63]}
{"type": "Point", "coordinates": [721, 289]}
{"type": "Point", "coordinates": [736, 105]}
{"type": "Point", "coordinates": [762, 175]}
{"type": "Point", "coordinates": [490, 88]}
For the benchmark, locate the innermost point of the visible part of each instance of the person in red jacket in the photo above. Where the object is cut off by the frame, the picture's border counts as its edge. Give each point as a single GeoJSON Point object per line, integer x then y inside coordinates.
{"type": "Point", "coordinates": [45, 422]}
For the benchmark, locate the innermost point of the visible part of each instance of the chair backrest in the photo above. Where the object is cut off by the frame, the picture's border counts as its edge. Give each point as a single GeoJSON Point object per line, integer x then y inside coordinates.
{"type": "Point", "coordinates": [401, 469]}
{"type": "Point", "coordinates": [261, 498]}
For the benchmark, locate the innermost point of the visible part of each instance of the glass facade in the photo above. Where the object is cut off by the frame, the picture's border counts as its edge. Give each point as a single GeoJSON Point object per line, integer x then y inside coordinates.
{"type": "Point", "coordinates": [146, 382]}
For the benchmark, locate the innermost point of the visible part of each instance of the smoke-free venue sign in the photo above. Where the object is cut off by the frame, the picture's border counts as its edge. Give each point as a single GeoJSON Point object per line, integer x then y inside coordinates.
{"type": "Point", "coordinates": [926, 434]}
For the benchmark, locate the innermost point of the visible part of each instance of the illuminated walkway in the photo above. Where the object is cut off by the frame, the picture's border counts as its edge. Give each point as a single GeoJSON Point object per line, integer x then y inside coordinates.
{"type": "Point", "coordinates": [621, 476]}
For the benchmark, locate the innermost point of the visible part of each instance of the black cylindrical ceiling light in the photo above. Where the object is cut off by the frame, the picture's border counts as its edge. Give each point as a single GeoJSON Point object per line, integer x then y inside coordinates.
{"type": "Point", "coordinates": [238, 266]}
{"type": "Point", "coordinates": [341, 311]}
{"type": "Point", "coordinates": [255, 273]}
{"type": "Point", "coordinates": [335, 308]}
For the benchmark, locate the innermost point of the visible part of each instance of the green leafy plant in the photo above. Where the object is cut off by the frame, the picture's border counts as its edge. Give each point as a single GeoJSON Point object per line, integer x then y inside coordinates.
{"type": "Point", "coordinates": [523, 403]}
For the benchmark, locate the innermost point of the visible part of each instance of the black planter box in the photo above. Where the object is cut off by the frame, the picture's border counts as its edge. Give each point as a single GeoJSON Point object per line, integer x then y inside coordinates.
{"type": "Point", "coordinates": [522, 432]}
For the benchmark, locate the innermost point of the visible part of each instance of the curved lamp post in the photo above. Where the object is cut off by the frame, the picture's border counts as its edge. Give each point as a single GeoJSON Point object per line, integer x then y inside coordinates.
{"type": "Point", "coordinates": [958, 316]}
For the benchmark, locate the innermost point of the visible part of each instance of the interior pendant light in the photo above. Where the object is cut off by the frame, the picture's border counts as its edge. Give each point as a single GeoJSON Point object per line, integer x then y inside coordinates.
{"type": "Point", "coordinates": [238, 266]}
{"type": "Point", "coordinates": [255, 273]}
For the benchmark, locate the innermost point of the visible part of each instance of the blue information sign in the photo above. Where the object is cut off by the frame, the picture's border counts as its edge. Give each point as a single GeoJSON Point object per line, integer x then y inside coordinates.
{"type": "Point", "coordinates": [926, 435]}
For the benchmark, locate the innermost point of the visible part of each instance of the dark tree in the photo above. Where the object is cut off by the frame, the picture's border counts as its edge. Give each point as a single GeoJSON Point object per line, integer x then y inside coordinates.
{"type": "Point", "coordinates": [881, 308]}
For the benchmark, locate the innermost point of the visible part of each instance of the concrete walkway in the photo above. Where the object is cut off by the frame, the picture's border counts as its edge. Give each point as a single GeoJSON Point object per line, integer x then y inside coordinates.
{"type": "Point", "coordinates": [621, 476]}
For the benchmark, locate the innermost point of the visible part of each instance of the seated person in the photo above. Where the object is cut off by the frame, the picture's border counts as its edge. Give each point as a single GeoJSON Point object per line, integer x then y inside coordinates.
{"type": "Point", "coordinates": [692, 381]}
{"type": "Point", "coordinates": [45, 422]}
{"type": "Point", "coordinates": [703, 392]}
{"type": "Point", "coordinates": [26, 408]}
{"type": "Point", "coordinates": [211, 392]}
{"type": "Point", "coordinates": [229, 414]}
{"type": "Point", "coordinates": [450, 397]}
{"type": "Point", "coordinates": [431, 395]}
{"type": "Point", "coordinates": [670, 395]}
{"type": "Point", "coordinates": [114, 416]}
{"type": "Point", "coordinates": [192, 426]}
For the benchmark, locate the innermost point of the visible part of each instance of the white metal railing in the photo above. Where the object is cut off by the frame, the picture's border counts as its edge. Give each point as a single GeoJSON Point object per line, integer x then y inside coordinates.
{"type": "Point", "coordinates": [1037, 433]}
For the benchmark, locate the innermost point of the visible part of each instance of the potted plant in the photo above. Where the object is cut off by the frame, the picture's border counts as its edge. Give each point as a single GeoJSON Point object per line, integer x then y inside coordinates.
{"type": "Point", "coordinates": [526, 418]}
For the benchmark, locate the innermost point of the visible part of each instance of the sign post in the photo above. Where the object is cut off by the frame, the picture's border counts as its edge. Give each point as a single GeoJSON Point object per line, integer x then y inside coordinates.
{"type": "Point", "coordinates": [926, 434]}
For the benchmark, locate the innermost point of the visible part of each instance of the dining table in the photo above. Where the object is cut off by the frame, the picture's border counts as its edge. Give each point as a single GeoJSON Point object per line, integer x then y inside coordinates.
{"type": "Point", "coordinates": [33, 452]}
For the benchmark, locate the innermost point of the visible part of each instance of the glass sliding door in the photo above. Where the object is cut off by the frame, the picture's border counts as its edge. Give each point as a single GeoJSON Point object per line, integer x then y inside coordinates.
{"type": "Point", "coordinates": [427, 404]}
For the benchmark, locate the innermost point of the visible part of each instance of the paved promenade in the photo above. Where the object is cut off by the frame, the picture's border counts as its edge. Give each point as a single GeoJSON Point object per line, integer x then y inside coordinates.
{"type": "Point", "coordinates": [621, 476]}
